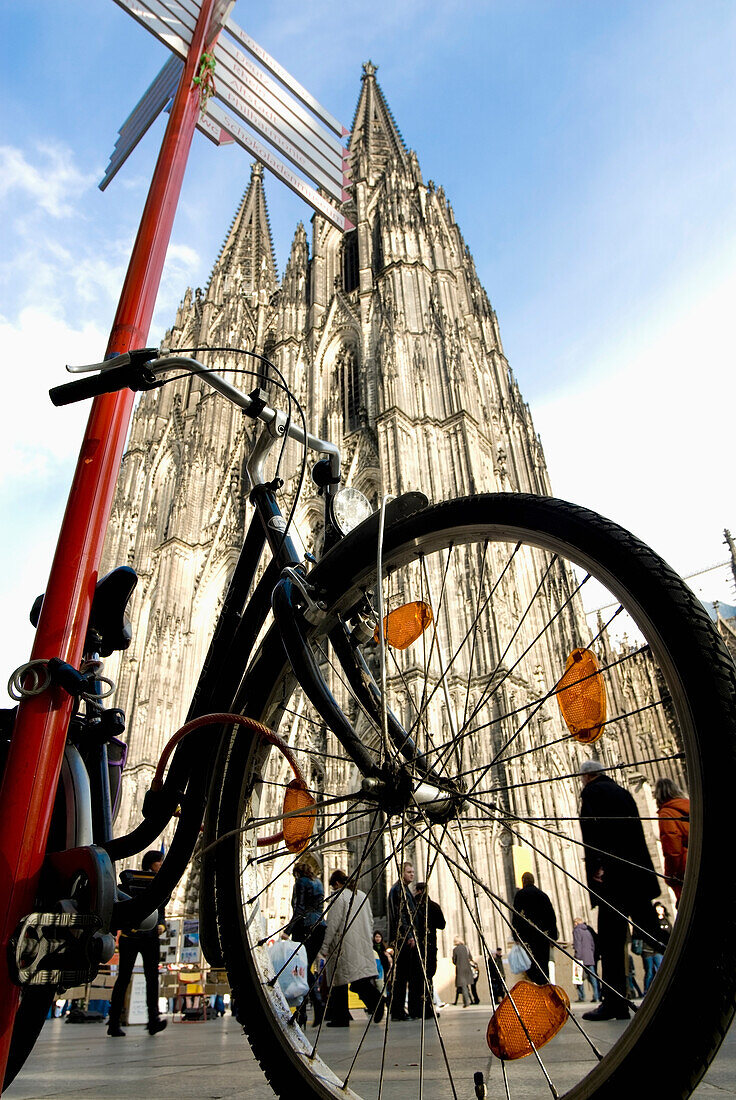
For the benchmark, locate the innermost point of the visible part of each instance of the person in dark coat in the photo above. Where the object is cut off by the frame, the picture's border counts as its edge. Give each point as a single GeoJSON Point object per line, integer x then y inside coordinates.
{"type": "Point", "coordinates": [402, 928]}
{"type": "Point", "coordinates": [620, 877]}
{"type": "Point", "coordinates": [146, 944]}
{"type": "Point", "coordinates": [307, 926]}
{"type": "Point", "coordinates": [534, 924]}
{"type": "Point", "coordinates": [498, 976]}
{"type": "Point", "coordinates": [429, 919]}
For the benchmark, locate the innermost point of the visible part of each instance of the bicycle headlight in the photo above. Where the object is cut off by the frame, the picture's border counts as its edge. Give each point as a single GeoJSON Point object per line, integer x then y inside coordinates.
{"type": "Point", "coordinates": [348, 508]}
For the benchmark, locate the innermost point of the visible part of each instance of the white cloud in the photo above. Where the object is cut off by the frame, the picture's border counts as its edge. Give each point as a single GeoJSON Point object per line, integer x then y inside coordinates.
{"type": "Point", "coordinates": [53, 183]}
{"type": "Point", "coordinates": [647, 438]}
{"type": "Point", "coordinates": [38, 449]}
{"type": "Point", "coordinates": [34, 435]}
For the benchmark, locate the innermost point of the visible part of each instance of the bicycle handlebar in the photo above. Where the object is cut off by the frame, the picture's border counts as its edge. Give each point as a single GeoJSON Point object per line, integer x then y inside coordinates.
{"type": "Point", "coordinates": [139, 369]}
{"type": "Point", "coordinates": [110, 380]}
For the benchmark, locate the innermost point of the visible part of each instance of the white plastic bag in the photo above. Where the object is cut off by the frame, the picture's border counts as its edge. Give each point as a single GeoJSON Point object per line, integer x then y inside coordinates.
{"type": "Point", "coordinates": [519, 961]}
{"type": "Point", "coordinates": [289, 961]}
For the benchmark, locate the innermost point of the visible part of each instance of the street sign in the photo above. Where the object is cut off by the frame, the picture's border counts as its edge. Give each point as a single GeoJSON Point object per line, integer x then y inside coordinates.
{"type": "Point", "coordinates": [286, 78]}
{"type": "Point", "coordinates": [263, 127]}
{"type": "Point", "coordinates": [298, 185]}
{"type": "Point", "coordinates": [161, 23]}
{"type": "Point", "coordinates": [291, 122]}
{"type": "Point", "coordinates": [215, 133]}
{"type": "Point", "coordinates": [156, 97]}
{"type": "Point", "coordinates": [279, 111]}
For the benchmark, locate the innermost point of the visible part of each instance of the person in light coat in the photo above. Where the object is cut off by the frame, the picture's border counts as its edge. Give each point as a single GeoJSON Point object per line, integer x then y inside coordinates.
{"type": "Point", "coordinates": [464, 977]}
{"type": "Point", "coordinates": [348, 952]}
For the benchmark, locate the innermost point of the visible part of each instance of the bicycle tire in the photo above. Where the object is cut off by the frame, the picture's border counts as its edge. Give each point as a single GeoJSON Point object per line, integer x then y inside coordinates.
{"type": "Point", "coordinates": [699, 691]}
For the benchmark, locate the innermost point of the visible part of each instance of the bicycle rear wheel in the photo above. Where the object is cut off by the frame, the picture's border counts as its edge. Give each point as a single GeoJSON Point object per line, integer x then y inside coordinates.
{"type": "Point", "coordinates": [505, 578]}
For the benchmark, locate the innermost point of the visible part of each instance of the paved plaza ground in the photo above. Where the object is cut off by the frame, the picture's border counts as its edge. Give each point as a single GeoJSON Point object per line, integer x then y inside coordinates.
{"type": "Point", "coordinates": [212, 1060]}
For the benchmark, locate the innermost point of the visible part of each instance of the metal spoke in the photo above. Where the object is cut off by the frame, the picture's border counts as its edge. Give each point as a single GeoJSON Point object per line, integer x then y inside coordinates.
{"type": "Point", "coordinates": [472, 627]}
{"type": "Point", "coordinates": [491, 688]}
{"type": "Point", "coordinates": [493, 811]}
{"type": "Point", "coordinates": [481, 934]}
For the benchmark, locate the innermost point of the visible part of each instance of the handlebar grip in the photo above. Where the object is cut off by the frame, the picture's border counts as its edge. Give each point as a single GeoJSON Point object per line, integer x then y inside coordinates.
{"type": "Point", "coordinates": [108, 381]}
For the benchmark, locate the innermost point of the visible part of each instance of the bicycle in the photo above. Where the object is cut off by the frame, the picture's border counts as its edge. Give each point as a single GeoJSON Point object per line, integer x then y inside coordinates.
{"type": "Point", "coordinates": [410, 664]}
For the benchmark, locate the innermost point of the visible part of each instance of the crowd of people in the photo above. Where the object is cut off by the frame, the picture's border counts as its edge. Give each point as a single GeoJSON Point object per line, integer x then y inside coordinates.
{"type": "Point", "coordinates": [345, 952]}
{"type": "Point", "coordinates": [341, 950]}
{"type": "Point", "coordinates": [622, 886]}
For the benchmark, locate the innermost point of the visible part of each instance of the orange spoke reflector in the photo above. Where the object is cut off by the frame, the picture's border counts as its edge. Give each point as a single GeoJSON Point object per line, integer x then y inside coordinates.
{"type": "Point", "coordinates": [581, 694]}
{"type": "Point", "coordinates": [298, 829]}
{"type": "Point", "coordinates": [405, 624]}
{"type": "Point", "coordinates": [540, 1012]}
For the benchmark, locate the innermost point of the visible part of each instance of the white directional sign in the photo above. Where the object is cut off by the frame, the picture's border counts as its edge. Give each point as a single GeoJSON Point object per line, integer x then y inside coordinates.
{"type": "Point", "coordinates": [148, 108]}
{"type": "Point", "coordinates": [280, 111]}
{"type": "Point", "coordinates": [298, 185]}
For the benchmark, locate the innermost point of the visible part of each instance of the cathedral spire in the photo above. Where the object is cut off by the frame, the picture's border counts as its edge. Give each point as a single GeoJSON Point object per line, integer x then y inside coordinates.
{"type": "Point", "coordinates": [376, 139]}
{"type": "Point", "coordinates": [246, 258]}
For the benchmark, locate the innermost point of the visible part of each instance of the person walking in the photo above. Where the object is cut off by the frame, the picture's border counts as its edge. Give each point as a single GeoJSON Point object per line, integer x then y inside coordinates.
{"type": "Point", "coordinates": [620, 877]}
{"type": "Point", "coordinates": [429, 920]}
{"type": "Point", "coordinates": [408, 975]}
{"type": "Point", "coordinates": [534, 925]}
{"type": "Point", "coordinates": [583, 948]}
{"type": "Point", "coordinates": [308, 927]}
{"type": "Point", "coordinates": [652, 956]}
{"type": "Point", "coordinates": [462, 959]}
{"type": "Point", "coordinates": [146, 944]}
{"type": "Point", "coordinates": [383, 959]}
{"type": "Point", "coordinates": [498, 976]}
{"type": "Point", "coordinates": [673, 810]}
{"type": "Point", "coordinates": [348, 952]}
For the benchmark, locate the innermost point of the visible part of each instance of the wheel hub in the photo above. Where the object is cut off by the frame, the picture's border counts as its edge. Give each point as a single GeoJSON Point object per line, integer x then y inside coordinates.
{"type": "Point", "coordinates": [397, 791]}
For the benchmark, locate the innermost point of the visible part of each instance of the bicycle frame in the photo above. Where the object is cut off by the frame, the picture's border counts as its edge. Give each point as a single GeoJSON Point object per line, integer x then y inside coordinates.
{"type": "Point", "coordinates": [284, 585]}
{"type": "Point", "coordinates": [222, 686]}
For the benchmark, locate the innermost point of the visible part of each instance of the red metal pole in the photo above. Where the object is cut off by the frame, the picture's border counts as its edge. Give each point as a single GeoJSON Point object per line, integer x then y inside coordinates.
{"type": "Point", "coordinates": [34, 761]}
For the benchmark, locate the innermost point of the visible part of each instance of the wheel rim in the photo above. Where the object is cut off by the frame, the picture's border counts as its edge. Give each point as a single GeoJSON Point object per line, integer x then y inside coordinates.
{"type": "Point", "coordinates": [471, 701]}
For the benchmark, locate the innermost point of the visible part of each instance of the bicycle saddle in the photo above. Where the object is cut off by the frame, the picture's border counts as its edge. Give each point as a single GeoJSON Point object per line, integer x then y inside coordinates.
{"type": "Point", "coordinates": [108, 629]}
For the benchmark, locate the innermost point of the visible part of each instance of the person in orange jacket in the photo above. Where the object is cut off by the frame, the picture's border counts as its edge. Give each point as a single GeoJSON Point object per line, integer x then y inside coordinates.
{"type": "Point", "coordinates": [673, 809]}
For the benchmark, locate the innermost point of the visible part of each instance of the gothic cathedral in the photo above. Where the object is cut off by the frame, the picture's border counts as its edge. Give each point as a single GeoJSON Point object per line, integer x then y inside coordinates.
{"type": "Point", "coordinates": [389, 341]}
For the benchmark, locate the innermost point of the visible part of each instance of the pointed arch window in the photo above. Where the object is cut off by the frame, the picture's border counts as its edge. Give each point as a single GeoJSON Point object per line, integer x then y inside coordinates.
{"type": "Point", "coordinates": [349, 382]}
{"type": "Point", "coordinates": [350, 261]}
{"type": "Point", "coordinates": [377, 249]}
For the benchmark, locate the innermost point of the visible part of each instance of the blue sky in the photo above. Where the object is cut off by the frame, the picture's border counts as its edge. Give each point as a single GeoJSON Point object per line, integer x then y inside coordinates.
{"type": "Point", "coordinates": [588, 150]}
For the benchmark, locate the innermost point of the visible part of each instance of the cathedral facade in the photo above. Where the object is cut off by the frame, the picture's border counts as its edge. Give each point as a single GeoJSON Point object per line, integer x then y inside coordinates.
{"type": "Point", "coordinates": [389, 342]}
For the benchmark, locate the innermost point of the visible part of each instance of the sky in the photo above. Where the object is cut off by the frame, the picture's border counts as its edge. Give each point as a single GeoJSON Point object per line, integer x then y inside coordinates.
{"type": "Point", "coordinates": [588, 151]}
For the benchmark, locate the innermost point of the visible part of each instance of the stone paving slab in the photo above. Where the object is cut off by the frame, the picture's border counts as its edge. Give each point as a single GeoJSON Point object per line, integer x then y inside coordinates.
{"type": "Point", "coordinates": [211, 1060]}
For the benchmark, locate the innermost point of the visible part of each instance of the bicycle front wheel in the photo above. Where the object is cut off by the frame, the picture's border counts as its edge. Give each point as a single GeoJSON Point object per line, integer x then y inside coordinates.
{"type": "Point", "coordinates": [499, 586]}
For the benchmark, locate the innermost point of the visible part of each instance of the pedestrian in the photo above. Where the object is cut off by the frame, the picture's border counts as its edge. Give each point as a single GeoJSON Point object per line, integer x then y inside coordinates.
{"type": "Point", "coordinates": [498, 976]}
{"type": "Point", "coordinates": [383, 960]}
{"type": "Point", "coordinates": [429, 920]}
{"type": "Point", "coordinates": [408, 976]}
{"type": "Point", "coordinates": [632, 986]}
{"type": "Point", "coordinates": [584, 950]}
{"type": "Point", "coordinates": [673, 810]}
{"type": "Point", "coordinates": [462, 959]}
{"type": "Point", "coordinates": [348, 952]}
{"type": "Point", "coordinates": [620, 877]}
{"type": "Point", "coordinates": [146, 944]}
{"type": "Point", "coordinates": [474, 984]}
{"type": "Point", "coordinates": [652, 956]}
{"type": "Point", "coordinates": [307, 926]}
{"type": "Point", "coordinates": [534, 925]}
